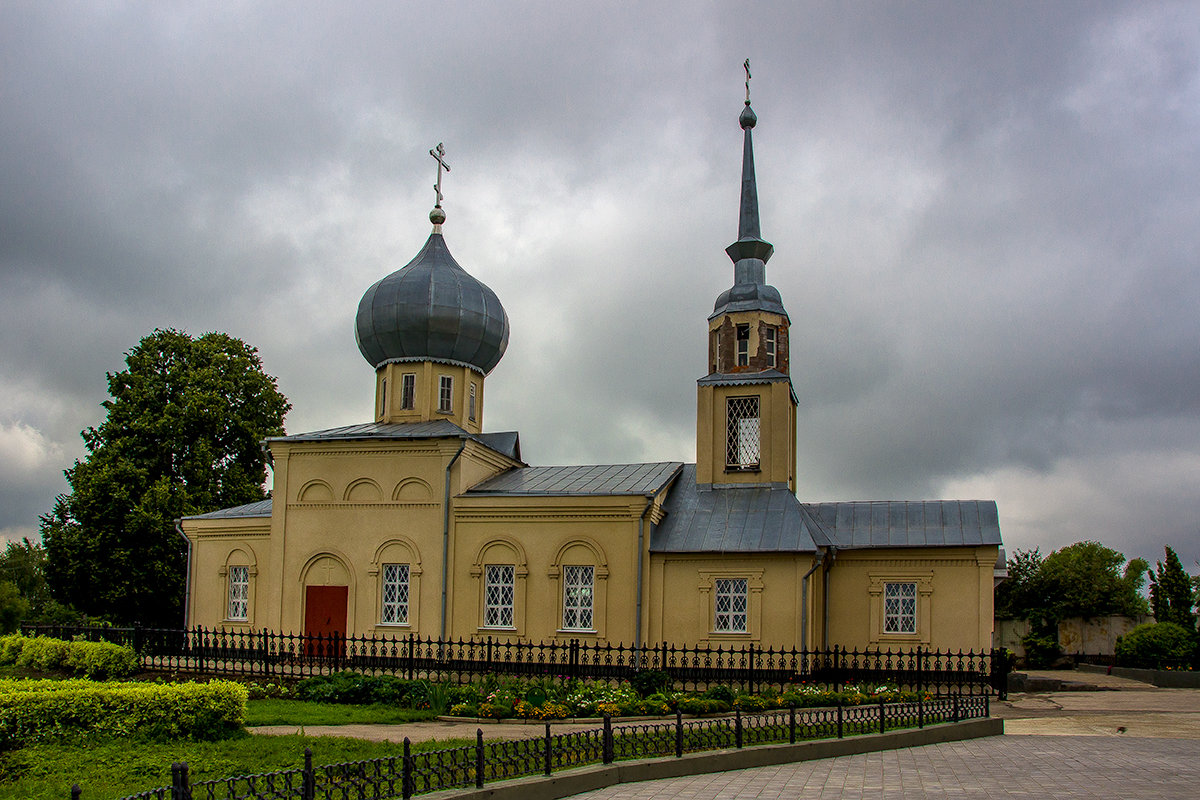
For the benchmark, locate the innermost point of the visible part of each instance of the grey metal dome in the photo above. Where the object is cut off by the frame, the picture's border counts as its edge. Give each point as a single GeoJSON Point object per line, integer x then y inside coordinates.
{"type": "Point", "coordinates": [432, 310]}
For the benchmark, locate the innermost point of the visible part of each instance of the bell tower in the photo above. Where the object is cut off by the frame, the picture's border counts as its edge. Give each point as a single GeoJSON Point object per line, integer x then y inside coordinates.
{"type": "Point", "coordinates": [746, 405]}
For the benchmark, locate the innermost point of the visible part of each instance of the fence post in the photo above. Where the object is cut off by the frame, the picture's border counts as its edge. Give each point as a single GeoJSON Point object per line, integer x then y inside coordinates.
{"type": "Point", "coordinates": [547, 748]}
{"type": "Point", "coordinates": [737, 728]}
{"type": "Point", "coordinates": [750, 670]}
{"type": "Point", "coordinates": [607, 746]}
{"type": "Point", "coordinates": [920, 711]}
{"type": "Point", "coordinates": [76, 792]}
{"type": "Point", "coordinates": [308, 789]}
{"type": "Point", "coordinates": [180, 787]}
{"type": "Point", "coordinates": [792, 724]}
{"type": "Point", "coordinates": [678, 733]}
{"type": "Point", "coordinates": [882, 718]}
{"type": "Point", "coordinates": [839, 708]}
{"type": "Point", "coordinates": [406, 771]}
{"type": "Point", "coordinates": [410, 657]}
{"type": "Point", "coordinates": [955, 718]}
{"type": "Point", "coordinates": [479, 758]}
{"type": "Point", "coordinates": [987, 705]}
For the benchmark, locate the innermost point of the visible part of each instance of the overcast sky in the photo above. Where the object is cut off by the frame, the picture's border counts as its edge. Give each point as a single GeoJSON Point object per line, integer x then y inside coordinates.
{"type": "Point", "coordinates": [986, 219]}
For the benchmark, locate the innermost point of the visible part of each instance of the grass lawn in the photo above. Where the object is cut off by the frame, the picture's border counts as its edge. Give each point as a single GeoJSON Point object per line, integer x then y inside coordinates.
{"type": "Point", "coordinates": [107, 770]}
{"type": "Point", "coordinates": [300, 712]}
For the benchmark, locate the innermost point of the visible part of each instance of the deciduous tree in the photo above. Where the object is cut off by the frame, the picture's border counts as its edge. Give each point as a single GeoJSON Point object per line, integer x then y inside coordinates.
{"type": "Point", "coordinates": [182, 436]}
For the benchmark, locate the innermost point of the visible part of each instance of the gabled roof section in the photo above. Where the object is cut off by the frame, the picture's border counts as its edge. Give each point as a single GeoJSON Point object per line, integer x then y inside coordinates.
{"type": "Point", "coordinates": [506, 443]}
{"type": "Point", "coordinates": [908, 523]}
{"type": "Point", "coordinates": [734, 519]}
{"type": "Point", "coordinates": [261, 508]}
{"type": "Point", "coordinates": [589, 479]}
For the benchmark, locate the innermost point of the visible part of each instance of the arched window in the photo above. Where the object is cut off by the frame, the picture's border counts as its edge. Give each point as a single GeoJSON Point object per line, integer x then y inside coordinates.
{"type": "Point", "coordinates": [500, 571]}
{"type": "Point", "coordinates": [397, 572]}
{"type": "Point", "coordinates": [579, 579]}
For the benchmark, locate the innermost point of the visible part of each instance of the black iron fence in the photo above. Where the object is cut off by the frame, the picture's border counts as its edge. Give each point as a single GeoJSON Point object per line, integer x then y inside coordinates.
{"type": "Point", "coordinates": [266, 654]}
{"type": "Point", "coordinates": [410, 773]}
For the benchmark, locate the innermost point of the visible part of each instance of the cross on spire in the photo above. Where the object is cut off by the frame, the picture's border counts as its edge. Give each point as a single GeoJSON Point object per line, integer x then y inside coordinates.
{"type": "Point", "coordinates": [438, 153]}
{"type": "Point", "coordinates": [746, 66]}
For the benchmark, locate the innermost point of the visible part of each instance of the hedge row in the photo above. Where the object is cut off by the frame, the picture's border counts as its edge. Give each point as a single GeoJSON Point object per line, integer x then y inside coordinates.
{"type": "Point", "coordinates": [34, 711]}
{"type": "Point", "coordinates": [97, 660]}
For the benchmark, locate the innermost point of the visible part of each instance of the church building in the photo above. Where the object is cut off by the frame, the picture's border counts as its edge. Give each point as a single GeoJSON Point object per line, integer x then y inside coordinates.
{"type": "Point", "coordinates": [422, 522]}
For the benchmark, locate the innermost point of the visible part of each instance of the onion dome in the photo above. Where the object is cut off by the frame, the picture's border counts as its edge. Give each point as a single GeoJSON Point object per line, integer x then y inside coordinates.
{"type": "Point", "coordinates": [432, 310]}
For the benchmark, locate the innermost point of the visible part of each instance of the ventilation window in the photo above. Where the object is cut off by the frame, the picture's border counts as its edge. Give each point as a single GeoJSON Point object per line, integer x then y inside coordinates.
{"type": "Point", "coordinates": [743, 345]}
{"type": "Point", "coordinates": [769, 338]}
{"type": "Point", "coordinates": [471, 404]}
{"type": "Point", "coordinates": [742, 451]}
{"type": "Point", "coordinates": [408, 390]}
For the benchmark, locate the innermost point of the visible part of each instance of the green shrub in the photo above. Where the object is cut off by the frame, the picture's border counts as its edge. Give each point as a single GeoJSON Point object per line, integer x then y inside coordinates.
{"type": "Point", "coordinates": [650, 681]}
{"type": "Point", "coordinates": [750, 702]}
{"type": "Point", "coordinates": [1040, 651]}
{"type": "Point", "coordinates": [352, 687]}
{"type": "Point", "coordinates": [43, 653]}
{"type": "Point", "coordinates": [101, 660]}
{"type": "Point", "coordinates": [722, 693]}
{"type": "Point", "coordinates": [1158, 645]}
{"type": "Point", "coordinates": [33, 711]}
{"type": "Point", "coordinates": [10, 648]}
{"type": "Point", "coordinates": [701, 705]}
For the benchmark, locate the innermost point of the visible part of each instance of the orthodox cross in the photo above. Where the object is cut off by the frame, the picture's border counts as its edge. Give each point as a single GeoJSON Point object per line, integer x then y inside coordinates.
{"type": "Point", "coordinates": [747, 68]}
{"type": "Point", "coordinates": [438, 153]}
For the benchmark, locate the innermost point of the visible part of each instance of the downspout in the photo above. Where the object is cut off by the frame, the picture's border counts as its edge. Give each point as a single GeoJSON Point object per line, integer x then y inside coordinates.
{"type": "Point", "coordinates": [804, 598]}
{"type": "Point", "coordinates": [187, 586]}
{"type": "Point", "coordinates": [446, 534]}
{"type": "Point", "coordinates": [637, 623]}
{"type": "Point", "coordinates": [825, 599]}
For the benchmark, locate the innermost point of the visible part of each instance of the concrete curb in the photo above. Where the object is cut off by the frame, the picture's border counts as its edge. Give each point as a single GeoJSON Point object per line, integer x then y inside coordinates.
{"type": "Point", "coordinates": [586, 779]}
{"type": "Point", "coordinates": [1162, 678]}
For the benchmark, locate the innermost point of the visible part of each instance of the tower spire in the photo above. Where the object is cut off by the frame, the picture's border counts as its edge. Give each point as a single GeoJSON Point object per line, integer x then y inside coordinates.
{"type": "Point", "coordinates": [750, 245]}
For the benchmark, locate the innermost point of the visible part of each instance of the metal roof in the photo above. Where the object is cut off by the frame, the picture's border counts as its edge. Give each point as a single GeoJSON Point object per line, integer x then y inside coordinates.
{"type": "Point", "coordinates": [432, 309]}
{"type": "Point", "coordinates": [588, 479]}
{"type": "Point", "coordinates": [733, 519]}
{"type": "Point", "coordinates": [909, 523]}
{"type": "Point", "coordinates": [261, 508]}
{"type": "Point", "coordinates": [506, 442]}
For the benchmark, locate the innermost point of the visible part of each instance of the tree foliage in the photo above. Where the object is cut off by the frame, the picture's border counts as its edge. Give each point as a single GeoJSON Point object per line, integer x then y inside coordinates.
{"type": "Point", "coordinates": [1085, 579]}
{"type": "Point", "coordinates": [182, 436]}
{"type": "Point", "coordinates": [1171, 593]}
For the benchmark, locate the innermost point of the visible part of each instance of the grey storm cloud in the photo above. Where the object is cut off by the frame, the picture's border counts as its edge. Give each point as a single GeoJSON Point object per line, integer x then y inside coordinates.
{"type": "Point", "coordinates": [985, 221]}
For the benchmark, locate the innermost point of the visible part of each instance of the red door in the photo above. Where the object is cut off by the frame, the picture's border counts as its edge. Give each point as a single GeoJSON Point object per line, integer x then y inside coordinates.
{"type": "Point", "coordinates": [324, 617]}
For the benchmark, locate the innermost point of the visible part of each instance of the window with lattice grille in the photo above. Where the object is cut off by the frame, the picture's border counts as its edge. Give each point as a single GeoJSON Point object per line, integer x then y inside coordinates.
{"type": "Point", "coordinates": [731, 601]}
{"type": "Point", "coordinates": [742, 450]}
{"type": "Point", "coordinates": [578, 593]}
{"type": "Point", "coordinates": [394, 609]}
{"type": "Point", "coordinates": [239, 592]}
{"type": "Point", "coordinates": [498, 596]}
{"type": "Point", "coordinates": [900, 608]}
{"type": "Point", "coordinates": [408, 390]}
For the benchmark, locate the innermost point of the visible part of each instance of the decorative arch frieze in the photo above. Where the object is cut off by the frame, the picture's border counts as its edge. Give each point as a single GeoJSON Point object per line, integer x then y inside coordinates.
{"type": "Point", "coordinates": [413, 490]}
{"type": "Point", "coordinates": [363, 490]}
{"type": "Point", "coordinates": [315, 491]}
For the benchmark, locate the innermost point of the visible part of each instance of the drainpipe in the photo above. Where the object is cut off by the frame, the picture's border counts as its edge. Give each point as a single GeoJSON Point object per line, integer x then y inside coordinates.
{"type": "Point", "coordinates": [446, 534]}
{"type": "Point", "coordinates": [825, 601]}
{"type": "Point", "coordinates": [187, 590]}
{"type": "Point", "coordinates": [804, 598]}
{"type": "Point", "coordinates": [637, 624]}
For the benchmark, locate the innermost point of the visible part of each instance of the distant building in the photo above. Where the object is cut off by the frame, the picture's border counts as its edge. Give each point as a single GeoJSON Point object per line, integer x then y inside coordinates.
{"type": "Point", "coordinates": [420, 522]}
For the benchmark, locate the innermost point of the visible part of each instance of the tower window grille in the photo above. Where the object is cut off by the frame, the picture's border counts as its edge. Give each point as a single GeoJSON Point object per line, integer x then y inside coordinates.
{"type": "Point", "coordinates": [900, 608]}
{"type": "Point", "coordinates": [578, 591]}
{"type": "Point", "coordinates": [742, 445]}
{"type": "Point", "coordinates": [498, 596]}
{"type": "Point", "coordinates": [730, 611]}
{"type": "Point", "coordinates": [394, 610]}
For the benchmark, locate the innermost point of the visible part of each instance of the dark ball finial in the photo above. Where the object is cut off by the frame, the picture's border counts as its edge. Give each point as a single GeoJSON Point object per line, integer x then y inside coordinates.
{"type": "Point", "coordinates": [437, 216]}
{"type": "Point", "coordinates": [748, 118]}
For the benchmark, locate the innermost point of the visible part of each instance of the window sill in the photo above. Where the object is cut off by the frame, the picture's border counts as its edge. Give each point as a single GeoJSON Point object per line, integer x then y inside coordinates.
{"type": "Point", "coordinates": [755, 468]}
{"type": "Point", "coordinates": [393, 625]}
{"type": "Point", "coordinates": [510, 628]}
{"type": "Point", "coordinates": [576, 631]}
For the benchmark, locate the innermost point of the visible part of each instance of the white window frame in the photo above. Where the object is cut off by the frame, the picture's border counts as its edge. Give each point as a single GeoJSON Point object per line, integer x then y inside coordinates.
{"type": "Point", "coordinates": [742, 344]}
{"type": "Point", "coordinates": [238, 607]}
{"type": "Point", "coordinates": [497, 613]}
{"type": "Point", "coordinates": [471, 403]}
{"type": "Point", "coordinates": [731, 605]}
{"type": "Point", "coordinates": [579, 598]}
{"type": "Point", "coordinates": [446, 394]}
{"type": "Point", "coordinates": [398, 579]}
{"type": "Point", "coordinates": [771, 340]}
{"type": "Point", "coordinates": [408, 391]}
{"type": "Point", "coordinates": [743, 431]}
{"type": "Point", "coordinates": [900, 607]}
